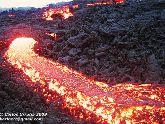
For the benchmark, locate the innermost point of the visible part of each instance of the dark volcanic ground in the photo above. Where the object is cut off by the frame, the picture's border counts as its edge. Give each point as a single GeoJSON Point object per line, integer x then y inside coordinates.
{"type": "Point", "coordinates": [123, 43]}
{"type": "Point", "coordinates": [112, 44]}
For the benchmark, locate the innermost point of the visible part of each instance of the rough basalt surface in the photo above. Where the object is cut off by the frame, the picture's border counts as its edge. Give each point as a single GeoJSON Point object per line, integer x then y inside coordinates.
{"type": "Point", "coordinates": [114, 44]}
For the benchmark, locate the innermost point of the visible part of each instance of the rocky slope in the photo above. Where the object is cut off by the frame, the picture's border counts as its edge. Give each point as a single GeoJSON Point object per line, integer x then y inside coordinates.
{"type": "Point", "coordinates": [113, 44]}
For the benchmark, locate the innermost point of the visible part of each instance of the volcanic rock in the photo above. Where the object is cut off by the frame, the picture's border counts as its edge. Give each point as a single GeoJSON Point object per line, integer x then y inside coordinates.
{"type": "Point", "coordinates": [111, 30]}
{"type": "Point", "coordinates": [110, 21]}
{"type": "Point", "coordinates": [82, 61]}
{"type": "Point", "coordinates": [61, 32]}
{"type": "Point", "coordinates": [153, 73]}
{"type": "Point", "coordinates": [48, 44]}
{"type": "Point", "coordinates": [100, 54]}
{"type": "Point", "coordinates": [102, 48]}
{"type": "Point", "coordinates": [74, 51]}
{"type": "Point", "coordinates": [163, 14]}
{"type": "Point", "coordinates": [95, 26]}
{"type": "Point", "coordinates": [96, 61]}
{"type": "Point", "coordinates": [56, 48]}
{"type": "Point", "coordinates": [3, 94]}
{"type": "Point", "coordinates": [65, 59]}
{"type": "Point", "coordinates": [91, 52]}
{"type": "Point", "coordinates": [79, 40]}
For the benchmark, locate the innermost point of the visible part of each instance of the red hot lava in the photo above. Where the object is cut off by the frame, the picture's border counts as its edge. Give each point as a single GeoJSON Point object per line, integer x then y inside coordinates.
{"type": "Point", "coordinates": [122, 103]}
{"type": "Point", "coordinates": [105, 2]}
{"type": "Point", "coordinates": [63, 12]}
{"type": "Point", "coordinates": [54, 36]}
{"type": "Point", "coordinates": [11, 15]}
{"type": "Point", "coordinates": [76, 6]}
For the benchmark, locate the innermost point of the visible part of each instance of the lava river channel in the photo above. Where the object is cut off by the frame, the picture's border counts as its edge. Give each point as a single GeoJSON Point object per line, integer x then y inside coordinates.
{"type": "Point", "coordinates": [121, 103]}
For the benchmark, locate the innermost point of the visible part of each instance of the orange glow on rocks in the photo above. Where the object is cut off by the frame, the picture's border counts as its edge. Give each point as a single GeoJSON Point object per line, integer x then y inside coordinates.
{"type": "Point", "coordinates": [11, 15]}
{"type": "Point", "coordinates": [75, 6]}
{"type": "Point", "coordinates": [121, 103]}
{"type": "Point", "coordinates": [106, 2]}
{"type": "Point", "coordinates": [47, 15]}
{"type": "Point", "coordinates": [99, 3]}
{"type": "Point", "coordinates": [52, 35]}
{"type": "Point", "coordinates": [120, 1]}
{"type": "Point", "coordinates": [64, 12]}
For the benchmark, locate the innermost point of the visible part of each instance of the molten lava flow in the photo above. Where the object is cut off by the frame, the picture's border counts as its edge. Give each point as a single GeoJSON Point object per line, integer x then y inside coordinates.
{"type": "Point", "coordinates": [64, 12]}
{"type": "Point", "coordinates": [105, 2]}
{"type": "Point", "coordinates": [47, 15]}
{"type": "Point", "coordinates": [120, 1]}
{"type": "Point", "coordinates": [99, 3]}
{"type": "Point", "coordinates": [11, 15]}
{"type": "Point", "coordinates": [122, 103]}
{"type": "Point", "coordinates": [76, 6]}
{"type": "Point", "coordinates": [52, 35]}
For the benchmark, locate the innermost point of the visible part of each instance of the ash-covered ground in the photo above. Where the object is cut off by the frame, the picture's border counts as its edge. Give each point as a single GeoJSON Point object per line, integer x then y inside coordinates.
{"type": "Point", "coordinates": [113, 44]}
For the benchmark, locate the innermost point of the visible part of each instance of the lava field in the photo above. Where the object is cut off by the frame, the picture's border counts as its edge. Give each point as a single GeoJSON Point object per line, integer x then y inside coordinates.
{"type": "Point", "coordinates": [84, 62]}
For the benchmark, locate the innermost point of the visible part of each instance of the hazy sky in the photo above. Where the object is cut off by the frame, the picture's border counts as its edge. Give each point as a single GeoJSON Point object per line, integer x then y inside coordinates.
{"type": "Point", "coordinates": [25, 3]}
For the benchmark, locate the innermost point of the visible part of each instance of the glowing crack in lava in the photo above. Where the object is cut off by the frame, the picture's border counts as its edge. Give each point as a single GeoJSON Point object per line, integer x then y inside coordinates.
{"type": "Point", "coordinates": [105, 2]}
{"type": "Point", "coordinates": [63, 11]}
{"type": "Point", "coordinates": [52, 35]}
{"type": "Point", "coordinates": [122, 103]}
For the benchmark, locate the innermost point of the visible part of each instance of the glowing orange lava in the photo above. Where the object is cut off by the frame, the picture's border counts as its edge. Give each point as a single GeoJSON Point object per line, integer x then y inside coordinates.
{"type": "Point", "coordinates": [63, 11]}
{"type": "Point", "coordinates": [52, 35]}
{"type": "Point", "coordinates": [11, 15]}
{"type": "Point", "coordinates": [105, 2]}
{"type": "Point", "coordinates": [122, 103]}
{"type": "Point", "coordinates": [76, 6]}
